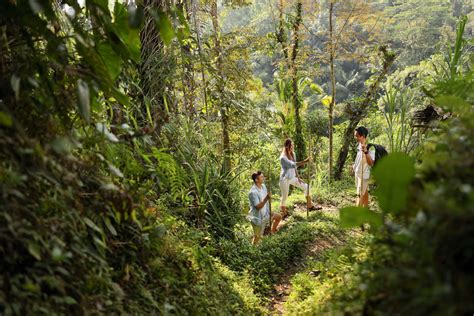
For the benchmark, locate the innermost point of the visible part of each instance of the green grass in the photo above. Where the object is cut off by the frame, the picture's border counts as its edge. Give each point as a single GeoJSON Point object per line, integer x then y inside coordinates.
{"type": "Point", "coordinates": [337, 289]}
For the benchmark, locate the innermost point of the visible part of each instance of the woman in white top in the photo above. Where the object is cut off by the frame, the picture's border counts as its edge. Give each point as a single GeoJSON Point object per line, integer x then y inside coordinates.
{"type": "Point", "coordinates": [289, 176]}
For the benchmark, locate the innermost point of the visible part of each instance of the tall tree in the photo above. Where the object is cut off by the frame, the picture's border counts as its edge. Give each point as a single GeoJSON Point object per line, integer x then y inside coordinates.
{"type": "Point", "coordinates": [296, 98]}
{"type": "Point", "coordinates": [194, 9]}
{"type": "Point", "coordinates": [224, 110]}
{"type": "Point", "coordinates": [189, 84]}
{"type": "Point", "coordinates": [290, 50]}
{"type": "Point", "coordinates": [332, 75]}
{"type": "Point", "coordinates": [358, 110]}
{"type": "Point", "coordinates": [281, 33]}
{"type": "Point", "coordinates": [154, 66]}
{"type": "Point", "coordinates": [346, 26]}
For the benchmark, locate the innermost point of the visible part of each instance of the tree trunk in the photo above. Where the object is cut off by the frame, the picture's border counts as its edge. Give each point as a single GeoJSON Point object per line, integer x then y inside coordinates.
{"type": "Point", "coordinates": [358, 111]}
{"type": "Point", "coordinates": [201, 58]}
{"type": "Point", "coordinates": [281, 36]}
{"type": "Point", "coordinates": [188, 69]}
{"type": "Point", "coordinates": [333, 87]}
{"type": "Point", "coordinates": [152, 77]}
{"type": "Point", "coordinates": [226, 165]}
{"type": "Point", "coordinates": [300, 147]}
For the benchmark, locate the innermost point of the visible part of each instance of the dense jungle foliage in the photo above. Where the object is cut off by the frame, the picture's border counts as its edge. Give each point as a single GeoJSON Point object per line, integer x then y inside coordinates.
{"type": "Point", "coordinates": [129, 131]}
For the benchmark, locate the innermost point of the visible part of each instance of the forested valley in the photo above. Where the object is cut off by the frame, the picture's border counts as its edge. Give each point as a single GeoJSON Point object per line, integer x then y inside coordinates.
{"type": "Point", "coordinates": [131, 133]}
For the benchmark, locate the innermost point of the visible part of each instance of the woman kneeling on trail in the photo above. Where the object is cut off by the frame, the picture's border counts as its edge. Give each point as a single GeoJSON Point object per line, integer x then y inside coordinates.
{"type": "Point", "coordinates": [289, 175]}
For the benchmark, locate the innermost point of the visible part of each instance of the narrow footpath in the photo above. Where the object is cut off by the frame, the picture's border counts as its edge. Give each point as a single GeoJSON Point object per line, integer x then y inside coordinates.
{"type": "Point", "coordinates": [314, 250]}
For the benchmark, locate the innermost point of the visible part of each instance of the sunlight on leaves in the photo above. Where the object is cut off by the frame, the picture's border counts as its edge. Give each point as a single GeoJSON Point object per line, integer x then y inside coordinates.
{"type": "Point", "coordinates": [355, 216]}
{"type": "Point", "coordinates": [393, 175]}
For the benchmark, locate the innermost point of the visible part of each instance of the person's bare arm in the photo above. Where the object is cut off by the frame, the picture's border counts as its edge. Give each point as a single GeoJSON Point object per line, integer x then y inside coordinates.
{"type": "Point", "coordinates": [302, 162]}
{"type": "Point", "coordinates": [369, 159]}
{"type": "Point", "coordinates": [265, 200]}
{"type": "Point", "coordinates": [366, 152]}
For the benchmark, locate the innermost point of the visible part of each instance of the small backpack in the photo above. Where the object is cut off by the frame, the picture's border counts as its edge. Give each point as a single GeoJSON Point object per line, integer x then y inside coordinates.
{"type": "Point", "coordinates": [380, 151]}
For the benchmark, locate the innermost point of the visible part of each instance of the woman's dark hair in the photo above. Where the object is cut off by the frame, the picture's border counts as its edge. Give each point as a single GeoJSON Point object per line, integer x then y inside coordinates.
{"type": "Point", "coordinates": [255, 175]}
{"type": "Point", "coordinates": [362, 131]}
{"type": "Point", "coordinates": [286, 149]}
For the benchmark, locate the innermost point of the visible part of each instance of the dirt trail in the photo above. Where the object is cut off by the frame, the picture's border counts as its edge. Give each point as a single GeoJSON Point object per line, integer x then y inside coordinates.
{"type": "Point", "coordinates": [283, 289]}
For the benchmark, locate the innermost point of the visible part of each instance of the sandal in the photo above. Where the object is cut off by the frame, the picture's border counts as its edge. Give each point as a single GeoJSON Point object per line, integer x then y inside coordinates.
{"type": "Point", "coordinates": [315, 207]}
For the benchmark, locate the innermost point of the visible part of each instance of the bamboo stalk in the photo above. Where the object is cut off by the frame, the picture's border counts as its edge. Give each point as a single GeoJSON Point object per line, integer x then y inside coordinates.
{"type": "Point", "coordinates": [361, 179]}
{"type": "Point", "coordinates": [309, 176]}
{"type": "Point", "coordinates": [270, 200]}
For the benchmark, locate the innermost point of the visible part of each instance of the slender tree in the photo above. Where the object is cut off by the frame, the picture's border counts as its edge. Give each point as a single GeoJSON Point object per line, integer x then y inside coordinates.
{"type": "Point", "coordinates": [358, 110]}
{"type": "Point", "coordinates": [296, 99]}
{"type": "Point", "coordinates": [281, 33]}
{"type": "Point", "coordinates": [152, 68]}
{"type": "Point", "coordinates": [332, 75]}
{"type": "Point", "coordinates": [224, 111]}
{"type": "Point", "coordinates": [189, 84]}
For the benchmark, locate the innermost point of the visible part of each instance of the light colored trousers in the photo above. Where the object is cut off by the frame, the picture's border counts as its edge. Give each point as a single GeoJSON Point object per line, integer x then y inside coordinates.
{"type": "Point", "coordinates": [285, 188]}
{"type": "Point", "coordinates": [362, 186]}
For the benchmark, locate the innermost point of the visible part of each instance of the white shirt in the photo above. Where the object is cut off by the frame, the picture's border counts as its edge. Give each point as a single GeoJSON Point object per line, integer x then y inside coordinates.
{"type": "Point", "coordinates": [362, 160]}
{"type": "Point", "coordinates": [257, 195]}
{"type": "Point", "coordinates": [288, 167]}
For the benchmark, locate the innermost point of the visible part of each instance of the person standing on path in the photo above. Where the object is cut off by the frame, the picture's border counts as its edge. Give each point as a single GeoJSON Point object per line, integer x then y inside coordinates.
{"type": "Point", "coordinates": [289, 176]}
{"type": "Point", "coordinates": [259, 214]}
{"type": "Point", "coordinates": [362, 166]}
